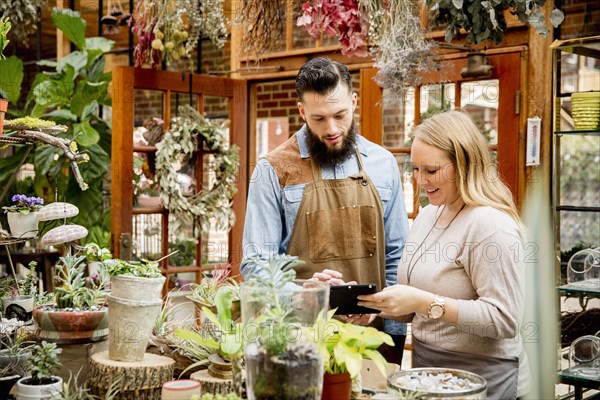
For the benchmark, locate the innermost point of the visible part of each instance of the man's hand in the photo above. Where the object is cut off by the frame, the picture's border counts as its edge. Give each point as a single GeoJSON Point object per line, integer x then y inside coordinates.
{"type": "Point", "coordinates": [334, 278]}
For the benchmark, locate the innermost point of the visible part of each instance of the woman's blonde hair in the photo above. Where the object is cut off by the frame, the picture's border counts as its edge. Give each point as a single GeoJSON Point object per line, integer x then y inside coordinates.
{"type": "Point", "coordinates": [477, 180]}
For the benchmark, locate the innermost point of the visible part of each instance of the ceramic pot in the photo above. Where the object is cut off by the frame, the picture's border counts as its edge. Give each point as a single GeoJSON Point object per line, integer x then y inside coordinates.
{"type": "Point", "coordinates": [23, 225]}
{"type": "Point", "coordinates": [20, 307]}
{"type": "Point", "coordinates": [16, 363]}
{"type": "Point", "coordinates": [476, 391]}
{"type": "Point", "coordinates": [71, 326]}
{"type": "Point", "coordinates": [337, 387]}
{"type": "Point", "coordinates": [50, 391]}
{"type": "Point", "coordinates": [182, 389]}
{"type": "Point", "coordinates": [6, 384]}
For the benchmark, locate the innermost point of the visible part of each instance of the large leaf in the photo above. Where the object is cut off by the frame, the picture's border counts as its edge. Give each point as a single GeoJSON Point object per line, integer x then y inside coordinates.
{"type": "Point", "coordinates": [89, 110]}
{"type": "Point", "coordinates": [44, 158]}
{"type": "Point", "coordinates": [77, 59]}
{"type": "Point", "coordinates": [96, 70]}
{"type": "Point", "coordinates": [72, 25]}
{"type": "Point", "coordinates": [99, 43]}
{"type": "Point", "coordinates": [85, 135]}
{"type": "Point", "coordinates": [11, 77]}
{"type": "Point", "coordinates": [97, 165]}
{"type": "Point", "coordinates": [51, 93]}
{"type": "Point", "coordinates": [62, 116]}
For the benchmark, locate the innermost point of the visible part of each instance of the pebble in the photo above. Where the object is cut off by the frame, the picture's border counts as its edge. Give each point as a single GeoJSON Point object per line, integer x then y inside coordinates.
{"type": "Point", "coordinates": [427, 382]}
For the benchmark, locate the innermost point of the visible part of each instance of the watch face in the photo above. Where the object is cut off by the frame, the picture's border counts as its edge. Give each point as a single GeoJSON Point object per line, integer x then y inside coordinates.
{"type": "Point", "coordinates": [437, 311]}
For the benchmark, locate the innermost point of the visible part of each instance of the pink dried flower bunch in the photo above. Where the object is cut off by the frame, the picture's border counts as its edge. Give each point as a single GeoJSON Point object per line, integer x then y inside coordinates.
{"type": "Point", "coordinates": [338, 17]}
{"type": "Point", "coordinates": [145, 18]}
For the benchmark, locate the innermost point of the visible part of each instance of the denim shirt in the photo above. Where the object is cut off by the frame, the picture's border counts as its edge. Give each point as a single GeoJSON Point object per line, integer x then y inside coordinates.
{"type": "Point", "coordinates": [271, 211]}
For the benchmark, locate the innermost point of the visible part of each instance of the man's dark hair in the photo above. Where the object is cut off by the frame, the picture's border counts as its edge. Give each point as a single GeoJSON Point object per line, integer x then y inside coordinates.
{"type": "Point", "coordinates": [321, 75]}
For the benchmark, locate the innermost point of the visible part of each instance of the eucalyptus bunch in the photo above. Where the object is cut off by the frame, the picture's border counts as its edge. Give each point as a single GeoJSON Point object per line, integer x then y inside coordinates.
{"type": "Point", "coordinates": [485, 20]}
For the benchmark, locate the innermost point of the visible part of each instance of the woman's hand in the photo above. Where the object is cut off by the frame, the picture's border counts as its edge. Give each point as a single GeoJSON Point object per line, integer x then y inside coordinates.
{"type": "Point", "coordinates": [396, 300]}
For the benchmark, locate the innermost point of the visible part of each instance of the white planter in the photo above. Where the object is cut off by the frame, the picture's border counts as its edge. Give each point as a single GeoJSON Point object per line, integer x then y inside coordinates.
{"type": "Point", "coordinates": [23, 225]}
{"type": "Point", "coordinates": [39, 392]}
{"type": "Point", "coordinates": [21, 307]}
{"type": "Point", "coordinates": [137, 289]}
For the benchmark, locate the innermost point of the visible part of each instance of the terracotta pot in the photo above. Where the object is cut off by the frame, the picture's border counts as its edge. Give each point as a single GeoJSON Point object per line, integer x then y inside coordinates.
{"type": "Point", "coordinates": [337, 387]}
{"type": "Point", "coordinates": [71, 326]}
{"type": "Point", "coordinates": [3, 108]}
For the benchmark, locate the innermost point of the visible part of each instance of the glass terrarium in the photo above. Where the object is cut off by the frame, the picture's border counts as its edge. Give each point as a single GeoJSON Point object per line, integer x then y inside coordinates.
{"type": "Point", "coordinates": [583, 269]}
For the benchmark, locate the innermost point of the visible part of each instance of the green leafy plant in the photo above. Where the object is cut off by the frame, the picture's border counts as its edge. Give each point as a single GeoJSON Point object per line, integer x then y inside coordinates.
{"type": "Point", "coordinates": [484, 20]}
{"type": "Point", "coordinates": [203, 293]}
{"type": "Point", "coordinates": [43, 363]}
{"type": "Point", "coordinates": [69, 94]}
{"type": "Point", "coordinates": [5, 26]}
{"type": "Point", "coordinates": [72, 290]}
{"type": "Point", "coordinates": [345, 345]}
{"type": "Point", "coordinates": [93, 252]}
{"type": "Point", "coordinates": [142, 269]}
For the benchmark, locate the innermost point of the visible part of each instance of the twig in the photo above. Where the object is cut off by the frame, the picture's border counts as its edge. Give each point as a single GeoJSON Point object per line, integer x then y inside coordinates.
{"type": "Point", "coordinates": [67, 146]}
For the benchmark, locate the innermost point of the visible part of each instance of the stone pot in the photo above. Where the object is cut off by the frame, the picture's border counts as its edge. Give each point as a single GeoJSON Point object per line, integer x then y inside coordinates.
{"type": "Point", "coordinates": [134, 288]}
{"type": "Point", "coordinates": [62, 326]}
{"type": "Point", "coordinates": [130, 325]}
{"type": "Point", "coordinates": [16, 362]}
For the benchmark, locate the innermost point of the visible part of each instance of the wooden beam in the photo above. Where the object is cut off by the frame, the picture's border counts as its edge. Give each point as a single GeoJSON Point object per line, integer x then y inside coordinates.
{"type": "Point", "coordinates": [63, 44]}
{"type": "Point", "coordinates": [371, 106]}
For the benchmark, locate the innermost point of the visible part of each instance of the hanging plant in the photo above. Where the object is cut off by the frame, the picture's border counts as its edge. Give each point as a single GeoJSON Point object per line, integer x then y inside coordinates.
{"type": "Point", "coordinates": [189, 131]}
{"type": "Point", "coordinates": [23, 15]}
{"type": "Point", "coordinates": [170, 29]}
{"type": "Point", "coordinates": [388, 30]}
{"type": "Point", "coordinates": [484, 20]}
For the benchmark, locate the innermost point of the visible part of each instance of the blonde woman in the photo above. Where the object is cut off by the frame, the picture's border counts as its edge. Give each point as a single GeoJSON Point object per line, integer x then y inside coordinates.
{"type": "Point", "coordinates": [461, 281]}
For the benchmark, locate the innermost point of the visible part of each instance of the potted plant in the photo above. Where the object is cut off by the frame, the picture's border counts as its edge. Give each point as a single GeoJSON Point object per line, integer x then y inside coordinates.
{"type": "Point", "coordinates": [95, 255]}
{"type": "Point", "coordinates": [344, 346]}
{"type": "Point", "coordinates": [4, 28]}
{"type": "Point", "coordinates": [18, 295]}
{"type": "Point", "coordinates": [42, 384]}
{"type": "Point", "coordinates": [203, 294]}
{"type": "Point", "coordinates": [134, 304]}
{"type": "Point", "coordinates": [22, 215]}
{"type": "Point", "coordinates": [79, 312]}
{"type": "Point", "coordinates": [281, 362]}
{"type": "Point", "coordinates": [15, 350]}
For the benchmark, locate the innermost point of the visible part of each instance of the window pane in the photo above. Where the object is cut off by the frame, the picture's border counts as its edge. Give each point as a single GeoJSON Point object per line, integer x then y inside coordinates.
{"type": "Point", "coordinates": [480, 100]}
{"type": "Point", "coordinates": [436, 98]}
{"type": "Point", "coordinates": [398, 120]}
{"type": "Point", "coordinates": [270, 133]}
{"type": "Point", "coordinates": [580, 171]}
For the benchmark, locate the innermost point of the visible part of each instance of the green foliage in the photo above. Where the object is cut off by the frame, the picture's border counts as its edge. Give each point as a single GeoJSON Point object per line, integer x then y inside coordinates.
{"type": "Point", "coordinates": [23, 14]}
{"type": "Point", "coordinates": [5, 26]}
{"type": "Point", "coordinates": [142, 269]}
{"type": "Point", "coordinates": [43, 362]}
{"type": "Point", "coordinates": [484, 20]}
{"type": "Point", "coordinates": [345, 345]}
{"type": "Point", "coordinates": [70, 95]}
{"type": "Point", "coordinates": [274, 323]}
{"type": "Point", "coordinates": [203, 294]}
{"type": "Point", "coordinates": [71, 287]}
{"type": "Point", "coordinates": [186, 251]}
{"type": "Point", "coordinates": [94, 252]}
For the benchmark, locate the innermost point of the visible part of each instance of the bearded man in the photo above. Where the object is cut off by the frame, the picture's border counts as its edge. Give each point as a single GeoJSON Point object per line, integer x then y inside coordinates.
{"type": "Point", "coordinates": [328, 195]}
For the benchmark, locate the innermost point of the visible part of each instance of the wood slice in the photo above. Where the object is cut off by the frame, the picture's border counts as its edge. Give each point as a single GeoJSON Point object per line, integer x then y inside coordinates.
{"type": "Point", "coordinates": [210, 384]}
{"type": "Point", "coordinates": [134, 380]}
{"type": "Point", "coordinates": [162, 347]}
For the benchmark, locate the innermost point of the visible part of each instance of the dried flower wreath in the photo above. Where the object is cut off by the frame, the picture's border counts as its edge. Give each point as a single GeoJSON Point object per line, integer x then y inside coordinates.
{"type": "Point", "coordinates": [189, 131]}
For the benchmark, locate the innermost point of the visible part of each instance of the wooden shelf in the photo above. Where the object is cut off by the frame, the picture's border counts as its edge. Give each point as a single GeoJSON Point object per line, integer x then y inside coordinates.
{"type": "Point", "coordinates": [595, 132]}
{"type": "Point", "coordinates": [144, 149]}
{"type": "Point", "coordinates": [148, 210]}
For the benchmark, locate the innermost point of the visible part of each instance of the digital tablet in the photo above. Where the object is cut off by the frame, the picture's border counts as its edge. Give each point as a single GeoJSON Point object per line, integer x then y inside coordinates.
{"type": "Point", "coordinates": [344, 298]}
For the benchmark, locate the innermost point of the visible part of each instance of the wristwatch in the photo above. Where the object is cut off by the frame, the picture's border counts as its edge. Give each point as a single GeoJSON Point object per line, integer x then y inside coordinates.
{"type": "Point", "coordinates": [436, 310]}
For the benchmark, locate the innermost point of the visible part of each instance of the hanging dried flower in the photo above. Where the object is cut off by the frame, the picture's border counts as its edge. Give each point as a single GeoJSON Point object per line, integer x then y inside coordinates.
{"type": "Point", "coordinates": [170, 29]}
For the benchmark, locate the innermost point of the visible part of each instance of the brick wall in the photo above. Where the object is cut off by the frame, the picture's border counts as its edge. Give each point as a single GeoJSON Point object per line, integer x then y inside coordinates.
{"type": "Point", "coordinates": [582, 18]}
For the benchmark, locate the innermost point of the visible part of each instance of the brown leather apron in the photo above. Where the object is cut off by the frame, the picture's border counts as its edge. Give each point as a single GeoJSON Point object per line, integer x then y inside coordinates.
{"type": "Point", "coordinates": [339, 226]}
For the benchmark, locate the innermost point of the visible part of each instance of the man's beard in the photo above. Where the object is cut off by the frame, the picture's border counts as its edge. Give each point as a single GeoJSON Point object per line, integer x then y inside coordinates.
{"type": "Point", "coordinates": [327, 155]}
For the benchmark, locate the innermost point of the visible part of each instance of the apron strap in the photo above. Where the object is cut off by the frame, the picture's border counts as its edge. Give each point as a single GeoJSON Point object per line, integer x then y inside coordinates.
{"type": "Point", "coordinates": [318, 174]}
